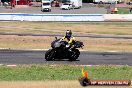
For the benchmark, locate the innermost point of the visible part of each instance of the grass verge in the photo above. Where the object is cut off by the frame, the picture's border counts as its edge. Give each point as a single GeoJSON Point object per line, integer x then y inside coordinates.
{"type": "Point", "coordinates": [123, 11]}
{"type": "Point", "coordinates": [117, 28]}
{"type": "Point", "coordinates": [43, 42]}
{"type": "Point", "coordinates": [62, 72]}
{"type": "Point", "coordinates": [93, 44]}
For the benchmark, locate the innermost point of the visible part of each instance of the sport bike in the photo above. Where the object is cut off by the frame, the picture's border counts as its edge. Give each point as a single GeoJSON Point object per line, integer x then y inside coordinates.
{"type": "Point", "coordinates": [60, 51]}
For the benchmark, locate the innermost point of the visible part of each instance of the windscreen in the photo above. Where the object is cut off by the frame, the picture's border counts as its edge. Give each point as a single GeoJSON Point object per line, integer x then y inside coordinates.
{"type": "Point", "coordinates": [46, 3]}
{"type": "Point", "coordinates": [65, 4]}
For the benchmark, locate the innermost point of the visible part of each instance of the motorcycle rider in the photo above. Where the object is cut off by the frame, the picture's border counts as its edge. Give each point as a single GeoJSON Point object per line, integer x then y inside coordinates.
{"type": "Point", "coordinates": [69, 38]}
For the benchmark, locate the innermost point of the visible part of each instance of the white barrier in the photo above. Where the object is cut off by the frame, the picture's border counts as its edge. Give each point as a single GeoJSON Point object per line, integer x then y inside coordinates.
{"type": "Point", "coordinates": [51, 17]}
{"type": "Point", "coordinates": [65, 17]}
{"type": "Point", "coordinates": [118, 17]}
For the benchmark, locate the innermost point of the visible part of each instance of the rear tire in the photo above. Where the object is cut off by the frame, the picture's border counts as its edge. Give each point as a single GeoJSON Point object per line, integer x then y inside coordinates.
{"type": "Point", "coordinates": [75, 55]}
{"type": "Point", "coordinates": [49, 55]}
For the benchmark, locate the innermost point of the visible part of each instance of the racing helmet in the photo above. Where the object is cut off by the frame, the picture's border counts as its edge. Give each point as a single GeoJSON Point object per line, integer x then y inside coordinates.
{"type": "Point", "coordinates": [68, 33]}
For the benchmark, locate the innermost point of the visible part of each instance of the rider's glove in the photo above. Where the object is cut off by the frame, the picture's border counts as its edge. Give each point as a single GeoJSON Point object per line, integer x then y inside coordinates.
{"type": "Point", "coordinates": [67, 46]}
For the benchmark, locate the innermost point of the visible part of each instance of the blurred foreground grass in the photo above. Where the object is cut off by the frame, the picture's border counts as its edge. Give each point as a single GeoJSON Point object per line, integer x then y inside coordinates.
{"type": "Point", "coordinates": [63, 72]}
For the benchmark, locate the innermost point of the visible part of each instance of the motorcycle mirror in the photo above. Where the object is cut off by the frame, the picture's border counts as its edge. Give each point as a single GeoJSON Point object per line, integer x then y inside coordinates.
{"type": "Point", "coordinates": [56, 38]}
{"type": "Point", "coordinates": [82, 46]}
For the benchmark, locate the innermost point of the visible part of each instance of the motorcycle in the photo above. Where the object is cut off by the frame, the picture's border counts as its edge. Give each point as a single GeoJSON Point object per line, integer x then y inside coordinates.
{"type": "Point", "coordinates": [60, 51]}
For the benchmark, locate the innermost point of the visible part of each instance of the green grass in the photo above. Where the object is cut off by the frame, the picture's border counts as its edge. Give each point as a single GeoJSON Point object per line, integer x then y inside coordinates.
{"type": "Point", "coordinates": [123, 11]}
{"type": "Point", "coordinates": [63, 72]}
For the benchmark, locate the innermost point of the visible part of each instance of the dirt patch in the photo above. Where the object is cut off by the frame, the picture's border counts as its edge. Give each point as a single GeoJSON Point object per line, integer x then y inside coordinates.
{"type": "Point", "coordinates": [49, 84]}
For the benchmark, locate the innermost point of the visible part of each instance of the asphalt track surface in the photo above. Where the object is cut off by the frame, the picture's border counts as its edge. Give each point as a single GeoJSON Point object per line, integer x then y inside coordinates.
{"type": "Point", "coordinates": [86, 58]}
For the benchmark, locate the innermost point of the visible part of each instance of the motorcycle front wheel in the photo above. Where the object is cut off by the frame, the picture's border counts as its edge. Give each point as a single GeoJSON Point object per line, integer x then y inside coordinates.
{"type": "Point", "coordinates": [75, 54]}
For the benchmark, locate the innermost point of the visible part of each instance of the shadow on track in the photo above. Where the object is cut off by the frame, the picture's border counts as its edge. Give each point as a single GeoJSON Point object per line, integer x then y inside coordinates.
{"type": "Point", "coordinates": [64, 60]}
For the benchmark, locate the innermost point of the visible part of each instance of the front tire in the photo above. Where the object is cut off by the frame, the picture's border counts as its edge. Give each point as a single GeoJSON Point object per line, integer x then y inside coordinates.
{"type": "Point", "coordinates": [75, 55]}
{"type": "Point", "coordinates": [49, 55]}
